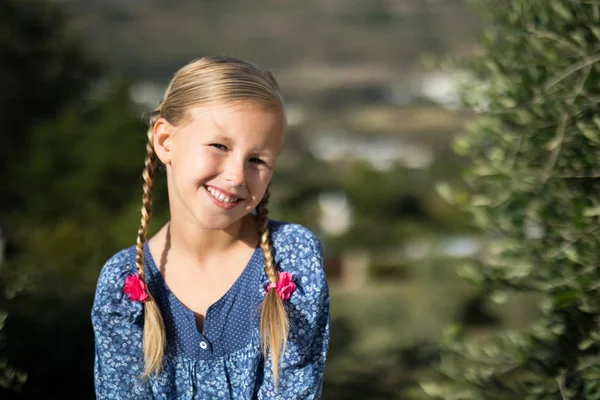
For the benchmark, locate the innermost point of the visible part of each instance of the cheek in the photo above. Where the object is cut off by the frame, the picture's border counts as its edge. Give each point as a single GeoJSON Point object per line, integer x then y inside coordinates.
{"type": "Point", "coordinates": [195, 166]}
{"type": "Point", "coordinates": [206, 162]}
{"type": "Point", "coordinates": [258, 182]}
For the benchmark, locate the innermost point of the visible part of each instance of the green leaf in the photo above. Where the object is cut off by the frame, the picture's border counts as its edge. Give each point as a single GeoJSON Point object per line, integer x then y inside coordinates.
{"type": "Point", "coordinates": [586, 308]}
{"type": "Point", "coordinates": [525, 117]}
{"type": "Point", "coordinates": [592, 211]}
{"type": "Point", "coordinates": [579, 37]}
{"type": "Point", "coordinates": [499, 297]}
{"type": "Point", "coordinates": [585, 344]}
{"type": "Point", "coordinates": [3, 316]}
{"type": "Point", "coordinates": [589, 132]}
{"type": "Point", "coordinates": [592, 135]}
{"type": "Point", "coordinates": [469, 273]}
{"type": "Point", "coordinates": [482, 170]}
{"type": "Point", "coordinates": [554, 143]}
{"type": "Point", "coordinates": [479, 201]}
{"type": "Point", "coordinates": [537, 44]}
{"type": "Point", "coordinates": [445, 192]}
{"type": "Point", "coordinates": [432, 389]}
{"type": "Point", "coordinates": [508, 102]}
{"type": "Point", "coordinates": [596, 31]}
{"type": "Point", "coordinates": [558, 329]}
{"type": "Point", "coordinates": [520, 270]}
{"type": "Point", "coordinates": [496, 154]}
{"type": "Point", "coordinates": [461, 146]}
{"type": "Point", "coordinates": [571, 254]}
{"type": "Point", "coordinates": [561, 10]}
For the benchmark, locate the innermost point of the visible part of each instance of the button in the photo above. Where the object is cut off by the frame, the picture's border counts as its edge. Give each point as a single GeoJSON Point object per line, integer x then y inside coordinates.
{"type": "Point", "coordinates": [203, 345]}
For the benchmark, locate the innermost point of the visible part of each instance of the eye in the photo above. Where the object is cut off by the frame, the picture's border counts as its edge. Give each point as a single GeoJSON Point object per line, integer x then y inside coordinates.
{"type": "Point", "coordinates": [257, 161]}
{"type": "Point", "coordinates": [218, 146]}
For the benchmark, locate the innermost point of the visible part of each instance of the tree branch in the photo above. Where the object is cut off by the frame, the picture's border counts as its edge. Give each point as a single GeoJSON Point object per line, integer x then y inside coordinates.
{"type": "Point", "coordinates": [556, 38]}
{"type": "Point", "coordinates": [561, 386]}
{"type": "Point", "coordinates": [562, 125]}
{"type": "Point", "coordinates": [571, 242]}
{"type": "Point", "coordinates": [586, 62]}
{"type": "Point", "coordinates": [579, 176]}
{"type": "Point", "coordinates": [592, 2]}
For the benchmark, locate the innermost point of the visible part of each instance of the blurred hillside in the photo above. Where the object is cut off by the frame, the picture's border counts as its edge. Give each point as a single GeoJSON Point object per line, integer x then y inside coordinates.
{"type": "Point", "coordinates": [149, 39]}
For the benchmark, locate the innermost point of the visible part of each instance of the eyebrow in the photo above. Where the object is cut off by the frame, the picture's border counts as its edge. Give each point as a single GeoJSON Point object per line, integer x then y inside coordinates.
{"type": "Point", "coordinates": [254, 151]}
{"type": "Point", "coordinates": [223, 138]}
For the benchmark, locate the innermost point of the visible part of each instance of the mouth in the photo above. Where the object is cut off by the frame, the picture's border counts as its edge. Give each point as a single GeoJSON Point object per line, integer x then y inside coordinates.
{"type": "Point", "coordinates": [223, 198]}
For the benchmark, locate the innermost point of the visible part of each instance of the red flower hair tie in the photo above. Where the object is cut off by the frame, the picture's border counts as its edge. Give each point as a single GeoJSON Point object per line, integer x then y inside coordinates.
{"type": "Point", "coordinates": [135, 288]}
{"type": "Point", "coordinates": [284, 286]}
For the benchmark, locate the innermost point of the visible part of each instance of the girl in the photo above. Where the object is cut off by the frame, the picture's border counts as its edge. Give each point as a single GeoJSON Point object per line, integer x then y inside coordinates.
{"type": "Point", "coordinates": [222, 303]}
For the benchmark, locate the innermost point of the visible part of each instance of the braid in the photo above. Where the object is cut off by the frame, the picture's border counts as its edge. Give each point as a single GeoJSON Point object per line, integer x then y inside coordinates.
{"type": "Point", "coordinates": [154, 331]}
{"type": "Point", "coordinates": [265, 244]}
{"type": "Point", "coordinates": [274, 324]}
{"type": "Point", "coordinates": [148, 176]}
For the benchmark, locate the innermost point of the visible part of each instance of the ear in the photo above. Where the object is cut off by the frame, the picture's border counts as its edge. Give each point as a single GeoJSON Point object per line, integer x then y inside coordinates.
{"type": "Point", "coordinates": [163, 140]}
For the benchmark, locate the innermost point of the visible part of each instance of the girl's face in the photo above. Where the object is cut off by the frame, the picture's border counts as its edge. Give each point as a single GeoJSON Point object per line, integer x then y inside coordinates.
{"type": "Point", "coordinates": [220, 161]}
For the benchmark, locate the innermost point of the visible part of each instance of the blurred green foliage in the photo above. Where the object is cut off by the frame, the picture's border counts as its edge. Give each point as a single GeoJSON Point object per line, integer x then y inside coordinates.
{"type": "Point", "coordinates": [70, 167]}
{"type": "Point", "coordinates": [42, 70]}
{"type": "Point", "coordinates": [535, 192]}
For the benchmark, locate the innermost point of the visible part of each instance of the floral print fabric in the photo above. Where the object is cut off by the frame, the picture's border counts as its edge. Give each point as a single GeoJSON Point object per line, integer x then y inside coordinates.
{"type": "Point", "coordinates": [223, 361]}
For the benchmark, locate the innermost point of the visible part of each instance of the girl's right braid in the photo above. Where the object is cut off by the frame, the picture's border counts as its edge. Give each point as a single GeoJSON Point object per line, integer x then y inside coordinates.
{"type": "Point", "coordinates": [154, 331]}
{"type": "Point", "coordinates": [274, 323]}
{"type": "Point", "coordinates": [148, 176]}
{"type": "Point", "coordinates": [265, 244]}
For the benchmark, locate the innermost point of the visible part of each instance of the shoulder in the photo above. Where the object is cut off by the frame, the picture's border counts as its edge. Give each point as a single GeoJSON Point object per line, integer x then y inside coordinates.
{"type": "Point", "coordinates": [298, 250]}
{"type": "Point", "coordinates": [109, 288]}
{"type": "Point", "coordinates": [116, 269]}
{"type": "Point", "coordinates": [294, 239]}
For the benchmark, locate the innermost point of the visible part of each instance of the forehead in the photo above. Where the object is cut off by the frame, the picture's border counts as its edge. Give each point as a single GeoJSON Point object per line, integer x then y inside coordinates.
{"type": "Point", "coordinates": [240, 122]}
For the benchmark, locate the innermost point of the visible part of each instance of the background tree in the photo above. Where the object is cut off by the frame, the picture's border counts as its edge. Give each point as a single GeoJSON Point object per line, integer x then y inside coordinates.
{"type": "Point", "coordinates": [42, 68]}
{"type": "Point", "coordinates": [535, 178]}
{"type": "Point", "coordinates": [69, 153]}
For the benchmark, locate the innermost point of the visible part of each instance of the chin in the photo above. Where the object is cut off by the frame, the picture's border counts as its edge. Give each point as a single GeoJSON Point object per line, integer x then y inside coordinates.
{"type": "Point", "coordinates": [219, 222]}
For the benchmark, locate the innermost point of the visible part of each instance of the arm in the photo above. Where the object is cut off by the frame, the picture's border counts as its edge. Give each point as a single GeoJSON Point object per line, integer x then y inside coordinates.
{"type": "Point", "coordinates": [118, 329]}
{"type": "Point", "coordinates": [303, 363]}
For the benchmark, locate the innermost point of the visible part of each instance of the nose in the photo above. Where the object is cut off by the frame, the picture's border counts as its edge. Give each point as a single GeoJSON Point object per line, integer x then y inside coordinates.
{"type": "Point", "coordinates": [235, 170]}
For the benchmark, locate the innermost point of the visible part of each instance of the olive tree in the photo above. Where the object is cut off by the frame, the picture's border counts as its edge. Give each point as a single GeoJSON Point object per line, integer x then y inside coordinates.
{"type": "Point", "coordinates": [534, 182]}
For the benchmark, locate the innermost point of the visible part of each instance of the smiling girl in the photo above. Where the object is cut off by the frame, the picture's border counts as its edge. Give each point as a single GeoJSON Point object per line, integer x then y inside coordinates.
{"type": "Point", "coordinates": [222, 303]}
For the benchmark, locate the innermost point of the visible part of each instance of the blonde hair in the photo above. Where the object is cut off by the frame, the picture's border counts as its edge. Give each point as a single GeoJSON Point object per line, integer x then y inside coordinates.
{"type": "Point", "coordinates": [212, 80]}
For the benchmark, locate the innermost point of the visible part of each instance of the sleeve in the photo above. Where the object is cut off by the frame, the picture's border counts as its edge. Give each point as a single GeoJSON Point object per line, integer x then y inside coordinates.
{"type": "Point", "coordinates": [118, 329]}
{"type": "Point", "coordinates": [303, 363]}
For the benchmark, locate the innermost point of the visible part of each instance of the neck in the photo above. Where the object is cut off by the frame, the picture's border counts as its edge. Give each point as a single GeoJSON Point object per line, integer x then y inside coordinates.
{"type": "Point", "coordinates": [189, 240]}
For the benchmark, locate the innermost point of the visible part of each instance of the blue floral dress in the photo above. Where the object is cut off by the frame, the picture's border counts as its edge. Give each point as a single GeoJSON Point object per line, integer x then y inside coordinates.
{"type": "Point", "coordinates": [223, 361]}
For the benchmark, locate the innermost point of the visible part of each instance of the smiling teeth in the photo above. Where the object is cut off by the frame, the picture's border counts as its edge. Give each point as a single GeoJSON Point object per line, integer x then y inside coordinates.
{"type": "Point", "coordinates": [220, 196]}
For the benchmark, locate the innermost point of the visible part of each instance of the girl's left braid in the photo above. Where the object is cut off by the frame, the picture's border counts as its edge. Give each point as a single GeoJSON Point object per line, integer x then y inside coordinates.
{"type": "Point", "coordinates": [265, 245]}
{"type": "Point", "coordinates": [154, 330]}
{"type": "Point", "coordinates": [274, 323]}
